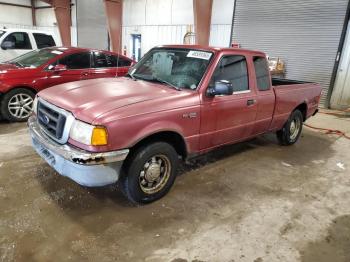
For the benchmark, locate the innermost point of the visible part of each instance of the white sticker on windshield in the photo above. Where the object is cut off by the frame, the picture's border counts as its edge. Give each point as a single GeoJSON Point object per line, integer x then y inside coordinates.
{"type": "Point", "coordinates": [199, 54]}
{"type": "Point", "coordinates": [57, 52]}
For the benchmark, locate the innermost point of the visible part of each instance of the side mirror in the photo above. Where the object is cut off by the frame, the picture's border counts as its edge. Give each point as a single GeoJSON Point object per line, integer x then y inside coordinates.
{"type": "Point", "coordinates": [59, 68]}
{"type": "Point", "coordinates": [220, 88]}
{"type": "Point", "coordinates": [7, 45]}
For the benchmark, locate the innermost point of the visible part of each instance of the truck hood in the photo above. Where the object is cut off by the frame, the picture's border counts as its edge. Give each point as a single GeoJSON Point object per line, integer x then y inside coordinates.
{"type": "Point", "coordinates": [89, 99]}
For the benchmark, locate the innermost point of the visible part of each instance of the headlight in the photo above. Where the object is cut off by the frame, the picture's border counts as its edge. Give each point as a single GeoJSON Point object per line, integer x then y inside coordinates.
{"type": "Point", "coordinates": [35, 105]}
{"type": "Point", "coordinates": [88, 134]}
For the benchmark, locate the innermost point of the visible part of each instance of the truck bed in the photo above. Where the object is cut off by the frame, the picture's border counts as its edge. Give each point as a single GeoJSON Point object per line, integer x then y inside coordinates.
{"type": "Point", "coordinates": [290, 94]}
{"type": "Point", "coordinates": [282, 82]}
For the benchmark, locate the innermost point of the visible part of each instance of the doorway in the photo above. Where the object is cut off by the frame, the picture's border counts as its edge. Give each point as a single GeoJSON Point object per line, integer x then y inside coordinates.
{"type": "Point", "coordinates": [341, 94]}
{"type": "Point", "coordinates": [136, 46]}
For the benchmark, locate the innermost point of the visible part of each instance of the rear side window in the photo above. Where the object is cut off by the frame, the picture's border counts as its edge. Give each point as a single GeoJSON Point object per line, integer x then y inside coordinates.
{"type": "Point", "coordinates": [123, 62]}
{"type": "Point", "coordinates": [233, 69]}
{"type": "Point", "coordinates": [262, 73]}
{"type": "Point", "coordinates": [101, 60]}
{"type": "Point", "coordinates": [18, 40]}
{"type": "Point", "coordinates": [43, 40]}
{"type": "Point", "coordinates": [76, 61]}
{"type": "Point", "coordinates": [108, 60]}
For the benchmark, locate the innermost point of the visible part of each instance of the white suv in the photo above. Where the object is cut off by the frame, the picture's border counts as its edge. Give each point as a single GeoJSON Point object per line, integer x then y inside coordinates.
{"type": "Point", "coordinates": [16, 42]}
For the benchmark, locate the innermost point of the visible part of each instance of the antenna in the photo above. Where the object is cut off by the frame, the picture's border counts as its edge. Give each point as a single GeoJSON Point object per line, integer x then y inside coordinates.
{"type": "Point", "coordinates": [119, 47]}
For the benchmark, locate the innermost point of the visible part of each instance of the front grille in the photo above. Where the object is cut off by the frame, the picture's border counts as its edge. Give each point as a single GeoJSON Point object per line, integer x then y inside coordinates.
{"type": "Point", "coordinates": [51, 121]}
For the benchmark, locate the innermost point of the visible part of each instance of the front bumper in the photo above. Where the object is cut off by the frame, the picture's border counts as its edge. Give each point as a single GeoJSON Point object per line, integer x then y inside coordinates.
{"type": "Point", "coordinates": [85, 168]}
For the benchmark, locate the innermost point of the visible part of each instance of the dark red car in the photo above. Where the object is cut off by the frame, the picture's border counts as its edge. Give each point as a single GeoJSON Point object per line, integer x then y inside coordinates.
{"type": "Point", "coordinates": [24, 76]}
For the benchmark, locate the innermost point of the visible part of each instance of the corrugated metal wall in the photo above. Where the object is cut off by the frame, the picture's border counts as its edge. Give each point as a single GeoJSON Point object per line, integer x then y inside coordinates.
{"type": "Point", "coordinates": [92, 29]}
{"type": "Point", "coordinates": [305, 34]}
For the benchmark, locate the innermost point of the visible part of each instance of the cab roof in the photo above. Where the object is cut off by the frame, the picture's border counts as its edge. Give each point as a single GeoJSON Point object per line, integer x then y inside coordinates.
{"type": "Point", "coordinates": [214, 49]}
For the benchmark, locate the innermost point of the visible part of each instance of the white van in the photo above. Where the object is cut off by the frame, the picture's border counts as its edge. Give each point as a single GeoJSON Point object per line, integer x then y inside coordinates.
{"type": "Point", "coordinates": [16, 42]}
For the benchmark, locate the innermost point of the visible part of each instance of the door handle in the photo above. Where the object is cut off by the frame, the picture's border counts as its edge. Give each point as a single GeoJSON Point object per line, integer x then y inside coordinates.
{"type": "Point", "coordinates": [85, 73]}
{"type": "Point", "coordinates": [251, 102]}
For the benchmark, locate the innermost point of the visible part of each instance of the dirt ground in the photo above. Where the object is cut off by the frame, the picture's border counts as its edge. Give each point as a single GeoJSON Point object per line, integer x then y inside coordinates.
{"type": "Point", "coordinates": [255, 201]}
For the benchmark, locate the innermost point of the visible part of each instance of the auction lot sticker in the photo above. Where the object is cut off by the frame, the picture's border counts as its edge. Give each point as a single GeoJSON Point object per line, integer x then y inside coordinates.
{"type": "Point", "coordinates": [199, 54]}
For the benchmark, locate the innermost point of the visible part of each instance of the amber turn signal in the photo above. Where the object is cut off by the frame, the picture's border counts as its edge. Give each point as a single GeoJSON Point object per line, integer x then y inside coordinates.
{"type": "Point", "coordinates": [99, 136]}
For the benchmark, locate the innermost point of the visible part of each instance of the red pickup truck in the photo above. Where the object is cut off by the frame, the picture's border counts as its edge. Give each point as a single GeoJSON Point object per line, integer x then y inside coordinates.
{"type": "Point", "coordinates": [177, 102]}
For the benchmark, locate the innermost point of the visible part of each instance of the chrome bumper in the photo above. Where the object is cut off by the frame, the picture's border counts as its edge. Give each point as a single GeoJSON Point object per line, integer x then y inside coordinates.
{"type": "Point", "coordinates": [73, 154]}
{"type": "Point", "coordinates": [86, 168]}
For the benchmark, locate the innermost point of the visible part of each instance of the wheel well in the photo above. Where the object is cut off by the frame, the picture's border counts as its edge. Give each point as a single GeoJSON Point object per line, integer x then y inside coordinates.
{"type": "Point", "coordinates": [173, 138]}
{"type": "Point", "coordinates": [303, 109]}
{"type": "Point", "coordinates": [24, 87]}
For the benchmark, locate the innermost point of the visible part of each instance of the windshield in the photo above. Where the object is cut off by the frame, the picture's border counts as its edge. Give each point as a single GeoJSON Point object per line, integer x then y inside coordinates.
{"type": "Point", "coordinates": [35, 58]}
{"type": "Point", "coordinates": [2, 32]}
{"type": "Point", "coordinates": [180, 68]}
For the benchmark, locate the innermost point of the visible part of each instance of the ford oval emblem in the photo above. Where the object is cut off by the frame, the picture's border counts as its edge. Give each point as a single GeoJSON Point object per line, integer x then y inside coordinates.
{"type": "Point", "coordinates": [45, 119]}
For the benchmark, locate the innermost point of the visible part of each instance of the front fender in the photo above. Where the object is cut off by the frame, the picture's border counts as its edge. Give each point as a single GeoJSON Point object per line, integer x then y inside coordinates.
{"type": "Point", "coordinates": [154, 128]}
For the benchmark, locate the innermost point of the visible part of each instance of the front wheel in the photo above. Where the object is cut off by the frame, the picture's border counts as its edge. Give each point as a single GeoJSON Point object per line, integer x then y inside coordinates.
{"type": "Point", "coordinates": [17, 104]}
{"type": "Point", "coordinates": [291, 130]}
{"type": "Point", "coordinates": [149, 173]}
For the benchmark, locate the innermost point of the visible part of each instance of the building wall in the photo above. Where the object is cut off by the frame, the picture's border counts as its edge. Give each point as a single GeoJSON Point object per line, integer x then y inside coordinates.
{"type": "Point", "coordinates": [22, 15]}
{"type": "Point", "coordinates": [166, 22]}
{"type": "Point", "coordinates": [221, 23]}
{"type": "Point", "coordinates": [45, 18]}
{"type": "Point", "coordinates": [158, 21]}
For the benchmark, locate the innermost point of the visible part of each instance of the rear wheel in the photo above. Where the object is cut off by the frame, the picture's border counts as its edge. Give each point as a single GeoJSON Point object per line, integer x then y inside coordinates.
{"type": "Point", "coordinates": [17, 105]}
{"type": "Point", "coordinates": [291, 130]}
{"type": "Point", "coordinates": [149, 173]}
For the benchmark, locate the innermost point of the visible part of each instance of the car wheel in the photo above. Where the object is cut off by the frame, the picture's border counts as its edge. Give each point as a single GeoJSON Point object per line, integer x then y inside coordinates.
{"type": "Point", "coordinates": [291, 130]}
{"type": "Point", "coordinates": [149, 173]}
{"type": "Point", "coordinates": [17, 104]}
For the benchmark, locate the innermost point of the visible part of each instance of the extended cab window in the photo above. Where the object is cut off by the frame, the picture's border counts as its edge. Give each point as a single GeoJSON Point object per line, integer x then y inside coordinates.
{"type": "Point", "coordinates": [17, 40]}
{"type": "Point", "coordinates": [43, 40]}
{"type": "Point", "coordinates": [233, 69]}
{"type": "Point", "coordinates": [76, 61]}
{"type": "Point", "coordinates": [262, 73]}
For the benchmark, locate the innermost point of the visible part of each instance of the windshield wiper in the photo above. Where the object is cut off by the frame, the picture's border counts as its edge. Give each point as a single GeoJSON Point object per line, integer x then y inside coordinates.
{"type": "Point", "coordinates": [166, 82]}
{"type": "Point", "coordinates": [156, 79]}
{"type": "Point", "coordinates": [131, 76]}
{"type": "Point", "coordinates": [17, 64]}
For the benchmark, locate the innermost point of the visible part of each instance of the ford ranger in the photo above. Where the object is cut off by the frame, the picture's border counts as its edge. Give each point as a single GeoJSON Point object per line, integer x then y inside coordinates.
{"type": "Point", "coordinates": [177, 102]}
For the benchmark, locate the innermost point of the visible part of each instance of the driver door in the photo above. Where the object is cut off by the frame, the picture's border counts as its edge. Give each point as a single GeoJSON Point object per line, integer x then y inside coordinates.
{"type": "Point", "coordinates": [229, 118]}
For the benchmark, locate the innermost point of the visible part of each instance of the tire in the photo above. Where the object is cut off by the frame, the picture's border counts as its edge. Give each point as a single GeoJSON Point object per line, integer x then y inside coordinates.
{"type": "Point", "coordinates": [291, 130]}
{"type": "Point", "coordinates": [149, 173]}
{"type": "Point", "coordinates": [16, 105]}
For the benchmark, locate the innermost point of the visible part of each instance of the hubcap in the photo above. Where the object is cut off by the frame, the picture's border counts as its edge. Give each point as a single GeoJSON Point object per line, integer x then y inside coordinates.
{"type": "Point", "coordinates": [155, 174]}
{"type": "Point", "coordinates": [20, 105]}
{"type": "Point", "coordinates": [294, 128]}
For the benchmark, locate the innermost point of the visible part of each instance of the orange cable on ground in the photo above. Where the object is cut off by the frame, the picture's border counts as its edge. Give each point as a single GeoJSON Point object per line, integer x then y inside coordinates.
{"type": "Point", "coordinates": [329, 131]}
